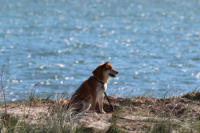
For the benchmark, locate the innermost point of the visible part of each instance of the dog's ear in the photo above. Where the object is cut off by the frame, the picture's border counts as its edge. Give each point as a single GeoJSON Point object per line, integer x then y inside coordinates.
{"type": "Point", "coordinates": [107, 62]}
{"type": "Point", "coordinates": [107, 65]}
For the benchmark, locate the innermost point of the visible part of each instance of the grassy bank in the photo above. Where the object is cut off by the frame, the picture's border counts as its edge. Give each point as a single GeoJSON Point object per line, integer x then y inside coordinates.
{"type": "Point", "coordinates": [138, 114]}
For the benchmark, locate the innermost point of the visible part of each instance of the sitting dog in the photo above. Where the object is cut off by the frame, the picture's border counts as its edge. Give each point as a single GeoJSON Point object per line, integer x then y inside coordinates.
{"type": "Point", "coordinates": [92, 89]}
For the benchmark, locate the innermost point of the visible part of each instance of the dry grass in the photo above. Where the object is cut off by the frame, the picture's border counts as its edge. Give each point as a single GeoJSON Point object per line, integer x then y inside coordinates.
{"type": "Point", "coordinates": [57, 120]}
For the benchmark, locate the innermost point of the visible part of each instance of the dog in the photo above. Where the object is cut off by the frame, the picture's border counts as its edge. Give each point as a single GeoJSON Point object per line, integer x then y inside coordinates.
{"type": "Point", "coordinates": [91, 91]}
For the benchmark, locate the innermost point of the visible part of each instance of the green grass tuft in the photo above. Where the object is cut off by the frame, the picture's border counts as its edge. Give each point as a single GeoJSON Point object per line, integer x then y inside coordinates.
{"type": "Point", "coordinates": [114, 128]}
{"type": "Point", "coordinates": [8, 123]}
{"type": "Point", "coordinates": [162, 127]}
{"type": "Point", "coordinates": [196, 125]}
{"type": "Point", "coordinates": [194, 96]}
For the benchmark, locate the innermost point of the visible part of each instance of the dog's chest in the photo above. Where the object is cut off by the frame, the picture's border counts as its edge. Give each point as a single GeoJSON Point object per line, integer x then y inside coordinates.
{"type": "Point", "coordinates": [101, 88]}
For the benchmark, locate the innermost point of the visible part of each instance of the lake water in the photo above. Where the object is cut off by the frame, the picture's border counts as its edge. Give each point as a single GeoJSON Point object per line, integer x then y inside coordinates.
{"type": "Point", "coordinates": [154, 44]}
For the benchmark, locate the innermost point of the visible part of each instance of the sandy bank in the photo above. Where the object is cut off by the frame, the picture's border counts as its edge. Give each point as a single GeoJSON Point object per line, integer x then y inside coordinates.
{"type": "Point", "coordinates": [139, 114]}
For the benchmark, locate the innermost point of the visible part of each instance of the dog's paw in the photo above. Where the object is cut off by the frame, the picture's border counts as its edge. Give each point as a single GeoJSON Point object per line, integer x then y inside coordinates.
{"type": "Point", "coordinates": [102, 112]}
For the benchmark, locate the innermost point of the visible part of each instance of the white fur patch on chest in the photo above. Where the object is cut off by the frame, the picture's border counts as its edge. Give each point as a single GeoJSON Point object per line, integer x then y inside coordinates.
{"type": "Point", "coordinates": [101, 87]}
{"type": "Point", "coordinates": [100, 90]}
{"type": "Point", "coordinates": [105, 87]}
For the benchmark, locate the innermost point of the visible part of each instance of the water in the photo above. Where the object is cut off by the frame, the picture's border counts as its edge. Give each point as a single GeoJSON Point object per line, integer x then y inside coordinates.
{"type": "Point", "coordinates": [57, 43]}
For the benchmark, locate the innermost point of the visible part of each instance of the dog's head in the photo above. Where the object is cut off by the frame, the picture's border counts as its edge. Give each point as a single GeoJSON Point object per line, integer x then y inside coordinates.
{"type": "Point", "coordinates": [104, 71]}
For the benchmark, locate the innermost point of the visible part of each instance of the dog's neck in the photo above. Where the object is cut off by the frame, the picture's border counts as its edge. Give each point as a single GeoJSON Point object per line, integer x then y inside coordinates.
{"type": "Point", "coordinates": [101, 82]}
{"type": "Point", "coordinates": [103, 86]}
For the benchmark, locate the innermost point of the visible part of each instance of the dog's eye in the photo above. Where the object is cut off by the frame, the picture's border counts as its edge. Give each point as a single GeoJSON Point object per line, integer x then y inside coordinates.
{"type": "Point", "coordinates": [107, 68]}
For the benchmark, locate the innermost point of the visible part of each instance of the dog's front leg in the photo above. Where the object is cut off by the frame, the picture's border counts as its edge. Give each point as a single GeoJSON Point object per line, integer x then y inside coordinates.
{"type": "Point", "coordinates": [100, 103]}
{"type": "Point", "coordinates": [94, 102]}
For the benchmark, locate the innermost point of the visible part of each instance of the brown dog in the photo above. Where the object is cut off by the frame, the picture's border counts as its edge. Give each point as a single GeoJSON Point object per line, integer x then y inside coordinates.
{"type": "Point", "coordinates": [92, 90]}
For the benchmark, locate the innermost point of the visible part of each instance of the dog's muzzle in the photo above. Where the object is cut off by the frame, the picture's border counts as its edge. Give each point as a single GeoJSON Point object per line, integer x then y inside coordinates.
{"type": "Point", "coordinates": [113, 73]}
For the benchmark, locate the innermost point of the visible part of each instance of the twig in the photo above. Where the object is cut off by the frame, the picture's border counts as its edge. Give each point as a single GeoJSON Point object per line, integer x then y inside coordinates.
{"type": "Point", "coordinates": [3, 88]}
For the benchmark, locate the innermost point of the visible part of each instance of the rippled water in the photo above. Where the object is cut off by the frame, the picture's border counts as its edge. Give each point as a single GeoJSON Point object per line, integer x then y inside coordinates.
{"type": "Point", "coordinates": [153, 44]}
